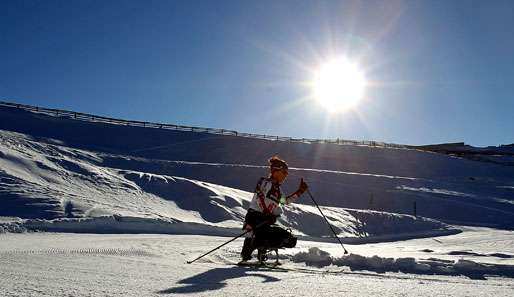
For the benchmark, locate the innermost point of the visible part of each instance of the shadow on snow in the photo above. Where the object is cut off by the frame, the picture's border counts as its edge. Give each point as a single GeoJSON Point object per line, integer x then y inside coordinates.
{"type": "Point", "coordinates": [214, 279]}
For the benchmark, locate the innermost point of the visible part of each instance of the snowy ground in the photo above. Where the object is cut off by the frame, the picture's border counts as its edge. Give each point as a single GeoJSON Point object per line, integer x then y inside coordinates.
{"type": "Point", "coordinates": [187, 189]}
{"type": "Point", "coordinates": [59, 264]}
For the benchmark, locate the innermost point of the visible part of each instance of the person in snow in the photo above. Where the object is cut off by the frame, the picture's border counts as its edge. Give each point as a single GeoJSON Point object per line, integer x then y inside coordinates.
{"type": "Point", "coordinates": [265, 209]}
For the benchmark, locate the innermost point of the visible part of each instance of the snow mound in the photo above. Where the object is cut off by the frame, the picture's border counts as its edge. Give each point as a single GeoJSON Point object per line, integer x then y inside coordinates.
{"type": "Point", "coordinates": [314, 257]}
{"type": "Point", "coordinates": [12, 228]}
{"type": "Point", "coordinates": [318, 258]}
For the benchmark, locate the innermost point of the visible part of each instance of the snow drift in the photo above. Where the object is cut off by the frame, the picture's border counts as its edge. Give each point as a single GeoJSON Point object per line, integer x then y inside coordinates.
{"type": "Point", "coordinates": [319, 258]}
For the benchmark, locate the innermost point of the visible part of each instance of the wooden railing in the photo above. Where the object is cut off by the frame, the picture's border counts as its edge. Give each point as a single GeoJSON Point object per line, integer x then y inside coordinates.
{"type": "Point", "coordinates": [95, 118]}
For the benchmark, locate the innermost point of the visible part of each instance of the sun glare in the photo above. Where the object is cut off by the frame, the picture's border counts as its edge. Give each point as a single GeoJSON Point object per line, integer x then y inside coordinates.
{"type": "Point", "coordinates": [339, 85]}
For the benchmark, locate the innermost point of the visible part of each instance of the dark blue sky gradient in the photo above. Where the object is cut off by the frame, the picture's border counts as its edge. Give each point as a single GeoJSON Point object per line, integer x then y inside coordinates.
{"type": "Point", "coordinates": [442, 71]}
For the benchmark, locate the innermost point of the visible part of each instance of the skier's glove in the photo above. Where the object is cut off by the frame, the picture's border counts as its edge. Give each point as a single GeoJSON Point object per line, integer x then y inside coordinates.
{"type": "Point", "coordinates": [302, 188]}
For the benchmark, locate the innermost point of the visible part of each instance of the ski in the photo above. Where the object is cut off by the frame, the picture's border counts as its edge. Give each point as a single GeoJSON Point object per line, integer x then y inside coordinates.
{"type": "Point", "coordinates": [259, 264]}
{"type": "Point", "coordinates": [286, 268]}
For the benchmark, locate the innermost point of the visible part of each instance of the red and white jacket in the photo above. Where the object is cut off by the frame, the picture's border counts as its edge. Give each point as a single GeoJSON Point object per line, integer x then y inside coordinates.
{"type": "Point", "coordinates": [268, 196]}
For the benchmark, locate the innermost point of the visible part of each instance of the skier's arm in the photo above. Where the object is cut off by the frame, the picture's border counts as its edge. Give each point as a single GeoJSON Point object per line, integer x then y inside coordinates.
{"type": "Point", "coordinates": [291, 198]}
{"type": "Point", "coordinates": [301, 189]}
{"type": "Point", "coordinates": [260, 191]}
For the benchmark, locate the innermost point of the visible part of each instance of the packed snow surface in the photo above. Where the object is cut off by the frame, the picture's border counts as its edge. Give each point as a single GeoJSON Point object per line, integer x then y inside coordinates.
{"type": "Point", "coordinates": [58, 264]}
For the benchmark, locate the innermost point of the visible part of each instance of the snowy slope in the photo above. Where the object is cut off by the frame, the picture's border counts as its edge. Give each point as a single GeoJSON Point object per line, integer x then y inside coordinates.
{"type": "Point", "coordinates": [104, 169]}
{"type": "Point", "coordinates": [61, 175]}
{"type": "Point", "coordinates": [58, 188]}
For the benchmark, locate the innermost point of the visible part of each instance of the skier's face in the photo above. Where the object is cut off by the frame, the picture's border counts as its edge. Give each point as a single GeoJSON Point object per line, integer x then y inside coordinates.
{"type": "Point", "coordinates": [279, 175]}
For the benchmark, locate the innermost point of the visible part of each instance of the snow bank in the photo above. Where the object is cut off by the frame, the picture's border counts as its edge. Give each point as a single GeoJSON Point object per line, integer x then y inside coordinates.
{"type": "Point", "coordinates": [319, 258]}
{"type": "Point", "coordinates": [11, 225]}
{"type": "Point", "coordinates": [12, 228]}
{"type": "Point", "coordinates": [128, 225]}
{"type": "Point", "coordinates": [116, 224]}
{"type": "Point", "coordinates": [314, 257]}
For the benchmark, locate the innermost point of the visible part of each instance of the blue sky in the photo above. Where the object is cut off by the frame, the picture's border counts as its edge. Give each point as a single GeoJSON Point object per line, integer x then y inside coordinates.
{"type": "Point", "coordinates": [441, 71]}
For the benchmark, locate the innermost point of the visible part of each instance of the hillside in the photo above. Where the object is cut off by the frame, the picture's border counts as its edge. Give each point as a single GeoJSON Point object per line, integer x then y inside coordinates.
{"type": "Point", "coordinates": [53, 168]}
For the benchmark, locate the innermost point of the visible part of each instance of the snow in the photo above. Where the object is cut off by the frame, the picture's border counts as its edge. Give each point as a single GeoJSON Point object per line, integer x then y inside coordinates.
{"type": "Point", "coordinates": [450, 255]}
{"type": "Point", "coordinates": [57, 264]}
{"type": "Point", "coordinates": [503, 154]}
{"type": "Point", "coordinates": [58, 188]}
{"type": "Point", "coordinates": [344, 176]}
{"type": "Point", "coordinates": [314, 257]}
{"type": "Point", "coordinates": [131, 205]}
{"type": "Point", "coordinates": [319, 258]}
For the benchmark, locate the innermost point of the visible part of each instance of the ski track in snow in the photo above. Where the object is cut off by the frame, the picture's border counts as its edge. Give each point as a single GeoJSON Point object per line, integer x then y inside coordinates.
{"type": "Point", "coordinates": [158, 268]}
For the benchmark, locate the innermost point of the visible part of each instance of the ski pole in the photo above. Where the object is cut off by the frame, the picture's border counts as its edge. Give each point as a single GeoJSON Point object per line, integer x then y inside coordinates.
{"type": "Point", "coordinates": [326, 220]}
{"type": "Point", "coordinates": [218, 247]}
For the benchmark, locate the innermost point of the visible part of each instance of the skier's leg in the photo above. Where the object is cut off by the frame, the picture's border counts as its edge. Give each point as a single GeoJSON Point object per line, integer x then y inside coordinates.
{"type": "Point", "coordinates": [254, 220]}
{"type": "Point", "coordinates": [251, 220]}
{"type": "Point", "coordinates": [262, 237]}
{"type": "Point", "coordinates": [246, 252]}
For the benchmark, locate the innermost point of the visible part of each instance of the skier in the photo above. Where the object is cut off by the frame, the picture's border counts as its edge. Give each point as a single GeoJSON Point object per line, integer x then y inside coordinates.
{"type": "Point", "coordinates": [264, 210]}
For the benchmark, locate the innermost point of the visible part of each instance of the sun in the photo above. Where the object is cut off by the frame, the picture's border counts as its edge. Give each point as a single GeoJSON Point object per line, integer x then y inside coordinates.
{"type": "Point", "coordinates": [339, 85]}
